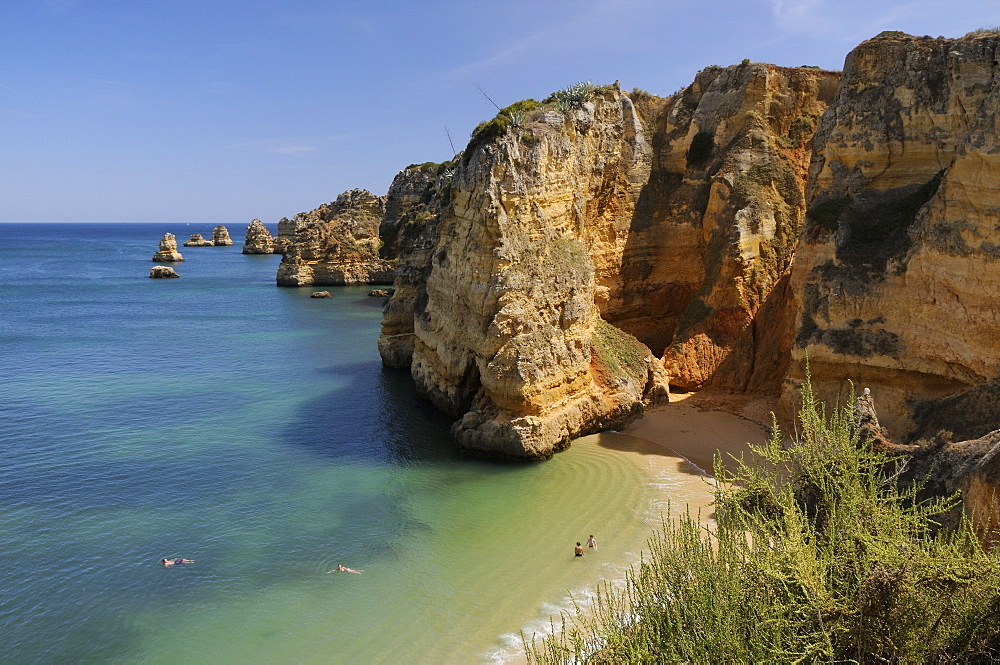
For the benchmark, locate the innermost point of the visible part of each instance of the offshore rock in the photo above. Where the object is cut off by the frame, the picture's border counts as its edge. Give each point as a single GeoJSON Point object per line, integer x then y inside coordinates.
{"type": "Point", "coordinates": [196, 240]}
{"type": "Point", "coordinates": [381, 293]}
{"type": "Point", "coordinates": [162, 272]}
{"type": "Point", "coordinates": [258, 239]}
{"type": "Point", "coordinates": [168, 250]}
{"type": "Point", "coordinates": [896, 272]}
{"type": "Point", "coordinates": [337, 244]}
{"type": "Point", "coordinates": [320, 294]}
{"type": "Point", "coordinates": [220, 236]}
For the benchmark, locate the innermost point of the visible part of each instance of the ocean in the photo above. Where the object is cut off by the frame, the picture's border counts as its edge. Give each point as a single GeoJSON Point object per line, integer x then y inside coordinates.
{"type": "Point", "coordinates": [254, 430]}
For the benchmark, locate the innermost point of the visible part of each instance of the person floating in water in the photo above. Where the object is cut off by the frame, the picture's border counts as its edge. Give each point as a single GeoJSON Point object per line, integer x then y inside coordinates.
{"type": "Point", "coordinates": [344, 569]}
{"type": "Point", "coordinates": [173, 562]}
{"type": "Point", "coordinates": [578, 550]}
{"type": "Point", "coordinates": [591, 543]}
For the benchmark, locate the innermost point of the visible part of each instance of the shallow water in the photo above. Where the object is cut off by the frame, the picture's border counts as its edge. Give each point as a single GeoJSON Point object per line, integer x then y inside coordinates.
{"type": "Point", "coordinates": [253, 429]}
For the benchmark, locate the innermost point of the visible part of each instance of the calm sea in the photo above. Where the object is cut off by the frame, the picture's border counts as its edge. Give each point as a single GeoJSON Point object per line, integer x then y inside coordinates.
{"type": "Point", "coordinates": [253, 429]}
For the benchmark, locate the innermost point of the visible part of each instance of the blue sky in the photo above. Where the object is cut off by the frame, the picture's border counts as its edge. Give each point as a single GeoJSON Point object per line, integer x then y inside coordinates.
{"type": "Point", "coordinates": [222, 111]}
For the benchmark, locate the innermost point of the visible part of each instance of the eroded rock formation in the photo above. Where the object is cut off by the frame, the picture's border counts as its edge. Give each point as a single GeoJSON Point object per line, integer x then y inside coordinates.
{"type": "Point", "coordinates": [704, 266]}
{"type": "Point", "coordinates": [672, 219]}
{"type": "Point", "coordinates": [197, 240]}
{"type": "Point", "coordinates": [168, 250]}
{"type": "Point", "coordinates": [896, 272]}
{"type": "Point", "coordinates": [220, 236]}
{"type": "Point", "coordinates": [258, 239]}
{"type": "Point", "coordinates": [337, 244]}
{"type": "Point", "coordinates": [162, 272]}
{"type": "Point", "coordinates": [415, 203]}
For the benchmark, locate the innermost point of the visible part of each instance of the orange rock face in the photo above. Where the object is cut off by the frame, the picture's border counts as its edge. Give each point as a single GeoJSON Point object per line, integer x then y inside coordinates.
{"type": "Point", "coordinates": [896, 271]}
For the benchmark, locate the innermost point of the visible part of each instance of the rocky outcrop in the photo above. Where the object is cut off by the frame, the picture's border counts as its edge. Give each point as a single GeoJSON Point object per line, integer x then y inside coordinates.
{"type": "Point", "coordinates": [895, 274]}
{"type": "Point", "coordinates": [162, 272]}
{"type": "Point", "coordinates": [337, 244]}
{"type": "Point", "coordinates": [506, 330]}
{"type": "Point", "coordinates": [671, 219]}
{"type": "Point", "coordinates": [258, 239]}
{"type": "Point", "coordinates": [196, 240]}
{"type": "Point", "coordinates": [969, 468]}
{"type": "Point", "coordinates": [287, 228]}
{"type": "Point", "coordinates": [220, 236]}
{"type": "Point", "coordinates": [417, 199]}
{"type": "Point", "coordinates": [704, 268]}
{"type": "Point", "coordinates": [320, 294]}
{"type": "Point", "coordinates": [168, 250]}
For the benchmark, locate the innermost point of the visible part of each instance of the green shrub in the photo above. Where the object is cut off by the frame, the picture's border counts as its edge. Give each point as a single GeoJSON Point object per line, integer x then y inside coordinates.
{"type": "Point", "coordinates": [817, 556]}
{"type": "Point", "coordinates": [578, 93]}
{"type": "Point", "coordinates": [491, 130]}
{"type": "Point", "coordinates": [619, 350]}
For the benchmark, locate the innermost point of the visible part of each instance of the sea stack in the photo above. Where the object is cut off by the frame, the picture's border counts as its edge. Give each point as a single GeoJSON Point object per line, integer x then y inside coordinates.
{"type": "Point", "coordinates": [197, 240]}
{"type": "Point", "coordinates": [168, 250]}
{"type": "Point", "coordinates": [162, 272]}
{"type": "Point", "coordinates": [337, 244]}
{"type": "Point", "coordinates": [220, 236]}
{"type": "Point", "coordinates": [258, 239]}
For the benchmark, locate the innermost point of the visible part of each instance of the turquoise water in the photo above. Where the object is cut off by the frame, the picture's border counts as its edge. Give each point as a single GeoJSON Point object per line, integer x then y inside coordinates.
{"type": "Point", "coordinates": [254, 430]}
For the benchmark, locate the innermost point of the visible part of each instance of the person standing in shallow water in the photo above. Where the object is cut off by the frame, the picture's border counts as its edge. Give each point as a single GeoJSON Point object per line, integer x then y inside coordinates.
{"type": "Point", "coordinates": [578, 551]}
{"type": "Point", "coordinates": [591, 543]}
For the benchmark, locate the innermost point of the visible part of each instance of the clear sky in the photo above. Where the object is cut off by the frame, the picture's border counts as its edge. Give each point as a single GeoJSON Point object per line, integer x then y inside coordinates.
{"type": "Point", "coordinates": [222, 111]}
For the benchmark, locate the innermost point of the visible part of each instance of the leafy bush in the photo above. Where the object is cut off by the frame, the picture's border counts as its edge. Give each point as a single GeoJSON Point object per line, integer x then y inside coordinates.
{"type": "Point", "coordinates": [817, 556]}
{"type": "Point", "coordinates": [491, 130]}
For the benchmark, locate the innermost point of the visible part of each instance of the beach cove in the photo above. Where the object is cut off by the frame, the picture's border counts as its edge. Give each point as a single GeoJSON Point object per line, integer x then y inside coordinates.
{"type": "Point", "coordinates": [254, 430]}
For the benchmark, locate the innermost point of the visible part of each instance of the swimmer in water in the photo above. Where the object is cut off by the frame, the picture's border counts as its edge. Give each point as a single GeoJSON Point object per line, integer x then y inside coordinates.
{"type": "Point", "coordinates": [173, 562]}
{"type": "Point", "coordinates": [343, 569]}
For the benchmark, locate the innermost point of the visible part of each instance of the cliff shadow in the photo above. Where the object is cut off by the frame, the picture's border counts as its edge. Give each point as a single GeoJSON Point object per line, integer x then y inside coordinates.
{"type": "Point", "coordinates": [376, 416]}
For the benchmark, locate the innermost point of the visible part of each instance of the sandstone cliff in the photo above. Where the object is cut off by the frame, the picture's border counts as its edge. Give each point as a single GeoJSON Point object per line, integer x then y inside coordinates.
{"type": "Point", "coordinates": [671, 219]}
{"type": "Point", "coordinates": [258, 239]}
{"type": "Point", "coordinates": [896, 270]}
{"type": "Point", "coordinates": [703, 268]}
{"type": "Point", "coordinates": [197, 240]}
{"type": "Point", "coordinates": [337, 244]}
{"type": "Point", "coordinates": [417, 198]}
{"type": "Point", "coordinates": [220, 236]}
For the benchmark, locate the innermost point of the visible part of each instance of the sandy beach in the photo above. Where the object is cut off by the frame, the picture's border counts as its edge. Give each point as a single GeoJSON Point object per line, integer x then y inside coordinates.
{"type": "Point", "coordinates": [696, 426]}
